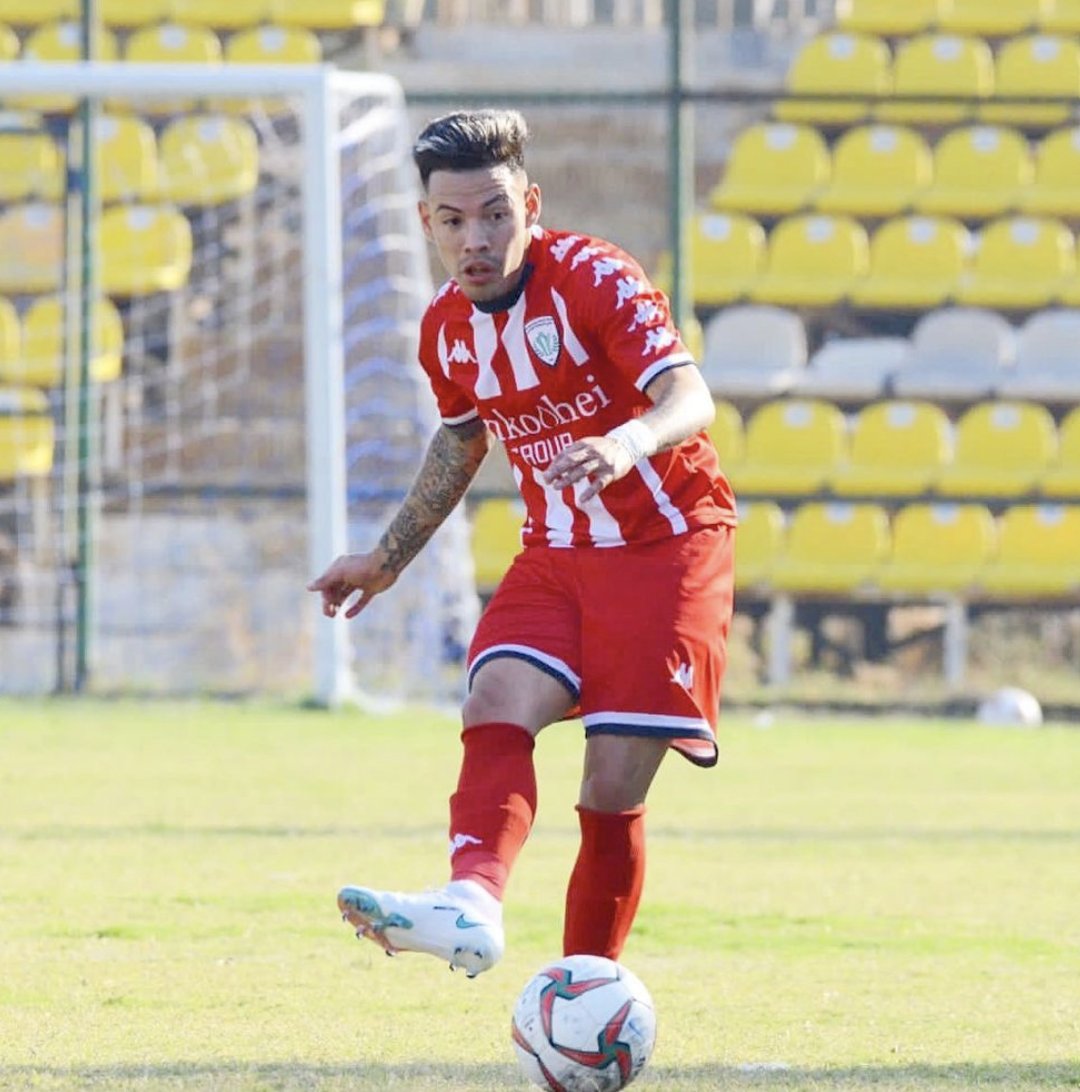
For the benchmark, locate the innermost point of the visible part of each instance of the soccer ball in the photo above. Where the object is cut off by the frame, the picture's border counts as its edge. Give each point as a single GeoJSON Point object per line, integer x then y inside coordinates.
{"type": "Point", "coordinates": [583, 1024]}
{"type": "Point", "coordinates": [1011, 705]}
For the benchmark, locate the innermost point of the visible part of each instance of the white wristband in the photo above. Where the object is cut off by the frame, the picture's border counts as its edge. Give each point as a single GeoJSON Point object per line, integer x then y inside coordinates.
{"type": "Point", "coordinates": [636, 436]}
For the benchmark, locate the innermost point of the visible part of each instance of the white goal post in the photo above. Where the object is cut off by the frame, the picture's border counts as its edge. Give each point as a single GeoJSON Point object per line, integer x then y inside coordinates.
{"type": "Point", "coordinates": [333, 207]}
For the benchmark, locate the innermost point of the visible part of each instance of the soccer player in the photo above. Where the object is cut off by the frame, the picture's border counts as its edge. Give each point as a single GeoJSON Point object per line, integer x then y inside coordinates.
{"type": "Point", "coordinates": [617, 609]}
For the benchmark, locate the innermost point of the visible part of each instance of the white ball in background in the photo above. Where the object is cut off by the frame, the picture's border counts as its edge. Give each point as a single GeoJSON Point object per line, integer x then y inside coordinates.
{"type": "Point", "coordinates": [1011, 705]}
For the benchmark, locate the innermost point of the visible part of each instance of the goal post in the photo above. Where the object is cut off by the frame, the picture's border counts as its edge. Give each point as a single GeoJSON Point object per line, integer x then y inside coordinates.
{"type": "Point", "coordinates": [265, 376]}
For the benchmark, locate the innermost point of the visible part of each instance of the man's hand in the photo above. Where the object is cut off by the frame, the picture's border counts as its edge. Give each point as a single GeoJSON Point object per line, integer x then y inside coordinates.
{"type": "Point", "coordinates": [600, 459]}
{"type": "Point", "coordinates": [367, 574]}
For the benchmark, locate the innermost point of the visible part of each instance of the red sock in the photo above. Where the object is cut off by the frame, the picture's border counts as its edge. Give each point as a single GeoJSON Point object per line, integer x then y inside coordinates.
{"type": "Point", "coordinates": [492, 811]}
{"type": "Point", "coordinates": [605, 886]}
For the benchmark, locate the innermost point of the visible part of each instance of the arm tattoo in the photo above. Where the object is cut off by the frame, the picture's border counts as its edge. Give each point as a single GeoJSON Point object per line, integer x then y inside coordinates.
{"type": "Point", "coordinates": [452, 460]}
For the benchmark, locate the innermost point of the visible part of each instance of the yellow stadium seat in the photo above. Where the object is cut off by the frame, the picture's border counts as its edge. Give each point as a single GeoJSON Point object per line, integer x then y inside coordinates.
{"type": "Point", "coordinates": [833, 547]}
{"type": "Point", "coordinates": [939, 65]}
{"type": "Point", "coordinates": [727, 254]}
{"type": "Point", "coordinates": [10, 341]}
{"type": "Point", "coordinates": [31, 249]}
{"type": "Point", "coordinates": [1062, 477]}
{"type": "Point", "coordinates": [1055, 190]}
{"type": "Point", "coordinates": [208, 159]}
{"type": "Point", "coordinates": [1034, 66]}
{"type": "Point", "coordinates": [42, 363]}
{"type": "Point", "coordinates": [1002, 449]}
{"type": "Point", "coordinates": [1062, 17]}
{"type": "Point", "coordinates": [993, 18]}
{"type": "Point", "coordinates": [170, 43]}
{"type": "Point", "coordinates": [127, 159]}
{"type": "Point", "coordinates": [144, 249]}
{"type": "Point", "coordinates": [840, 63]}
{"type": "Point", "coordinates": [9, 43]}
{"type": "Point", "coordinates": [30, 166]}
{"type": "Point", "coordinates": [1021, 263]}
{"type": "Point", "coordinates": [774, 169]}
{"type": "Point", "coordinates": [812, 261]}
{"type": "Point", "coordinates": [939, 548]}
{"type": "Point", "coordinates": [26, 434]}
{"type": "Point", "coordinates": [887, 17]}
{"type": "Point", "coordinates": [496, 539]}
{"type": "Point", "coordinates": [32, 13]}
{"type": "Point", "coordinates": [1037, 554]}
{"type": "Point", "coordinates": [61, 41]}
{"type": "Point", "coordinates": [877, 170]}
{"type": "Point", "coordinates": [759, 541]}
{"type": "Point", "coordinates": [916, 263]}
{"type": "Point", "coordinates": [792, 447]}
{"type": "Point", "coordinates": [274, 45]}
{"type": "Point", "coordinates": [133, 13]}
{"type": "Point", "coordinates": [329, 14]}
{"type": "Point", "coordinates": [896, 449]}
{"type": "Point", "coordinates": [979, 172]}
{"type": "Point", "coordinates": [212, 13]}
{"type": "Point", "coordinates": [728, 436]}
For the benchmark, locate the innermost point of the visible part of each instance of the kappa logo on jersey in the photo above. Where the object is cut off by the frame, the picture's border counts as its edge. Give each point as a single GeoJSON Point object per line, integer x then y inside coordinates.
{"type": "Point", "coordinates": [683, 676]}
{"type": "Point", "coordinates": [604, 267]}
{"type": "Point", "coordinates": [646, 312]}
{"type": "Point", "coordinates": [563, 247]}
{"type": "Point", "coordinates": [543, 336]}
{"type": "Point", "coordinates": [657, 338]}
{"type": "Point", "coordinates": [627, 288]}
{"type": "Point", "coordinates": [460, 354]}
{"type": "Point", "coordinates": [460, 841]}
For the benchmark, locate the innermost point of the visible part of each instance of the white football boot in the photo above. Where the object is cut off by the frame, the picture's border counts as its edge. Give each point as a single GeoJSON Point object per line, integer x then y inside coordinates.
{"type": "Point", "coordinates": [461, 923]}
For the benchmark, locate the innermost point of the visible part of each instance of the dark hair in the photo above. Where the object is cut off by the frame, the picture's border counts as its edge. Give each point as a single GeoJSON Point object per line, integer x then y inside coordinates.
{"type": "Point", "coordinates": [471, 139]}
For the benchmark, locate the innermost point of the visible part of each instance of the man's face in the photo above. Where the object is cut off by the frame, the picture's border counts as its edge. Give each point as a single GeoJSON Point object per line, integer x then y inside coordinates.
{"type": "Point", "coordinates": [479, 222]}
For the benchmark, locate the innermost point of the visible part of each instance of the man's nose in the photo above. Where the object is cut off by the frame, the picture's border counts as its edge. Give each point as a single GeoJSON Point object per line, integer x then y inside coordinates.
{"type": "Point", "coordinates": [475, 235]}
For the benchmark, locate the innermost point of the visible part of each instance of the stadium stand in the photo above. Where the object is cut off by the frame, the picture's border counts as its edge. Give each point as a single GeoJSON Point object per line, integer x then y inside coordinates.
{"type": "Point", "coordinates": [1002, 450]}
{"type": "Point", "coordinates": [10, 343]}
{"type": "Point", "coordinates": [761, 541]}
{"type": "Point", "coordinates": [42, 360]}
{"type": "Point", "coordinates": [941, 66]}
{"type": "Point", "coordinates": [127, 159]}
{"type": "Point", "coordinates": [133, 13]}
{"type": "Point", "coordinates": [792, 446]}
{"type": "Point", "coordinates": [496, 539]}
{"type": "Point", "coordinates": [1062, 477]}
{"type": "Point", "coordinates": [1037, 555]}
{"type": "Point", "coordinates": [32, 167]}
{"type": "Point", "coordinates": [978, 173]}
{"type": "Point", "coordinates": [328, 14]}
{"type": "Point", "coordinates": [60, 41]}
{"type": "Point", "coordinates": [895, 449]}
{"type": "Point", "coordinates": [938, 548]}
{"type": "Point", "coordinates": [144, 249]}
{"type": "Point", "coordinates": [273, 45]}
{"type": "Point", "coordinates": [877, 170]}
{"type": "Point", "coordinates": [888, 18]}
{"type": "Point", "coordinates": [727, 255]}
{"type": "Point", "coordinates": [774, 169]}
{"type": "Point", "coordinates": [207, 160]}
{"type": "Point", "coordinates": [1047, 358]}
{"type": "Point", "coordinates": [27, 434]}
{"type": "Point", "coordinates": [1033, 66]}
{"type": "Point", "coordinates": [32, 13]}
{"type": "Point", "coordinates": [236, 15]}
{"type": "Point", "coordinates": [1055, 189]}
{"type": "Point", "coordinates": [9, 44]}
{"type": "Point", "coordinates": [753, 351]}
{"type": "Point", "coordinates": [852, 369]}
{"type": "Point", "coordinates": [992, 18]}
{"type": "Point", "coordinates": [31, 245]}
{"type": "Point", "coordinates": [1063, 16]}
{"type": "Point", "coordinates": [728, 435]}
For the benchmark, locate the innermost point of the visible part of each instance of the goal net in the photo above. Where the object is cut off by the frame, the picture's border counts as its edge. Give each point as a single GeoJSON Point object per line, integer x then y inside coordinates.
{"type": "Point", "coordinates": [208, 387]}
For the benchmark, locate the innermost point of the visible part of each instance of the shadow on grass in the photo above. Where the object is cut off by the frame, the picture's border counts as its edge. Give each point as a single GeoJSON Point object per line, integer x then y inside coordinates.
{"type": "Point", "coordinates": [416, 1077]}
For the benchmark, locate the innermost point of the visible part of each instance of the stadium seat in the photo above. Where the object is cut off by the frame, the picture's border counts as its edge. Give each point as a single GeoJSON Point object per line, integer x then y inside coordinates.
{"type": "Point", "coordinates": [753, 350]}
{"type": "Point", "coordinates": [133, 13]}
{"type": "Point", "coordinates": [1034, 66]}
{"type": "Point", "coordinates": [42, 364]}
{"type": "Point", "coordinates": [727, 254]}
{"type": "Point", "coordinates": [1002, 449]}
{"type": "Point", "coordinates": [939, 66]}
{"type": "Point", "coordinates": [938, 548]}
{"type": "Point", "coordinates": [916, 262]}
{"type": "Point", "coordinates": [208, 160]}
{"type": "Point", "coordinates": [774, 169]}
{"type": "Point", "coordinates": [236, 15]}
{"type": "Point", "coordinates": [127, 159]}
{"type": "Point", "coordinates": [1021, 263]}
{"type": "Point", "coordinates": [993, 18]}
{"type": "Point", "coordinates": [170, 43]}
{"type": "Point", "coordinates": [1055, 190]}
{"type": "Point", "coordinates": [30, 167]}
{"type": "Point", "coordinates": [792, 447]}
{"type": "Point", "coordinates": [812, 261]}
{"type": "Point", "coordinates": [958, 353]}
{"type": "Point", "coordinates": [31, 248]}
{"type": "Point", "coordinates": [895, 449]}
{"type": "Point", "coordinates": [979, 172]}
{"type": "Point", "coordinates": [1062, 477]}
{"type": "Point", "coordinates": [144, 249]}
{"type": "Point", "coordinates": [329, 14]}
{"type": "Point", "coordinates": [852, 369]}
{"type": "Point", "coordinates": [1037, 555]}
{"type": "Point", "coordinates": [760, 542]}
{"type": "Point", "coordinates": [728, 435]}
{"type": "Point", "coordinates": [61, 41]}
{"type": "Point", "coordinates": [855, 65]}
{"type": "Point", "coordinates": [9, 43]}
{"type": "Point", "coordinates": [1062, 17]}
{"type": "Point", "coordinates": [877, 170]}
{"type": "Point", "coordinates": [888, 18]}
{"type": "Point", "coordinates": [10, 342]}
{"type": "Point", "coordinates": [274, 45]}
{"type": "Point", "coordinates": [26, 434]}
{"type": "Point", "coordinates": [496, 539]}
{"type": "Point", "coordinates": [834, 547]}
{"type": "Point", "coordinates": [1047, 358]}
{"type": "Point", "coordinates": [32, 13]}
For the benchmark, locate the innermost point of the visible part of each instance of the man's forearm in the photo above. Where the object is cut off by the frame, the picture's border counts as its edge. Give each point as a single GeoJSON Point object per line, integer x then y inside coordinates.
{"type": "Point", "coordinates": [452, 460]}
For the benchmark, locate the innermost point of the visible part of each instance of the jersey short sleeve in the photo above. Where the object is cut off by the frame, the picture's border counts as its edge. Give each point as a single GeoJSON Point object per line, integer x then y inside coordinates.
{"type": "Point", "coordinates": [455, 405]}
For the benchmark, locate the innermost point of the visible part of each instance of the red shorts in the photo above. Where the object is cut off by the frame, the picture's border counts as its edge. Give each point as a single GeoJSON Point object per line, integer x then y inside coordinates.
{"type": "Point", "coordinates": [637, 634]}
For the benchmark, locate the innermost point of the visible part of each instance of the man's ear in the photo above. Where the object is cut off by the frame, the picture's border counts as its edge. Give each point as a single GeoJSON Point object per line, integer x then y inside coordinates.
{"type": "Point", "coordinates": [425, 218]}
{"type": "Point", "coordinates": [533, 205]}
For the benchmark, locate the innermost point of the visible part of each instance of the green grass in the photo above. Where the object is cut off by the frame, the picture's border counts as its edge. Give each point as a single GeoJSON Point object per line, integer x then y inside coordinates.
{"type": "Point", "coordinates": [882, 904]}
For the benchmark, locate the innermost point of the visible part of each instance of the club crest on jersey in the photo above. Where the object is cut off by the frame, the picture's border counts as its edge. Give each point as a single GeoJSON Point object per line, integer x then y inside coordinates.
{"type": "Point", "coordinates": [543, 336]}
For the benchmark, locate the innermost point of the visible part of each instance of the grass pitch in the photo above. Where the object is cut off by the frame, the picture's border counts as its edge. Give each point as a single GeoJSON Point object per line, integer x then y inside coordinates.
{"type": "Point", "coordinates": [837, 906]}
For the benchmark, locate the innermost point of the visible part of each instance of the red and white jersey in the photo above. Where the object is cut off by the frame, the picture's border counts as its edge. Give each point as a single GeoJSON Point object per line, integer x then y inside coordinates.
{"type": "Point", "coordinates": [571, 358]}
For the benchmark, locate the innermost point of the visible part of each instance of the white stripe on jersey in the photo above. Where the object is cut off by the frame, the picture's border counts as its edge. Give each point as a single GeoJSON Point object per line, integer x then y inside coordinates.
{"type": "Point", "coordinates": [513, 339]}
{"type": "Point", "coordinates": [570, 339]}
{"type": "Point", "coordinates": [462, 417]}
{"type": "Point", "coordinates": [603, 527]}
{"type": "Point", "coordinates": [663, 501]}
{"type": "Point", "coordinates": [654, 369]}
{"type": "Point", "coordinates": [558, 518]}
{"type": "Point", "coordinates": [444, 356]}
{"type": "Point", "coordinates": [485, 341]}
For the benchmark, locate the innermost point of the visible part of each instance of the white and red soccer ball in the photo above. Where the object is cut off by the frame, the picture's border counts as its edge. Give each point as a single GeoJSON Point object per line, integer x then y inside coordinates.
{"type": "Point", "coordinates": [583, 1024]}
